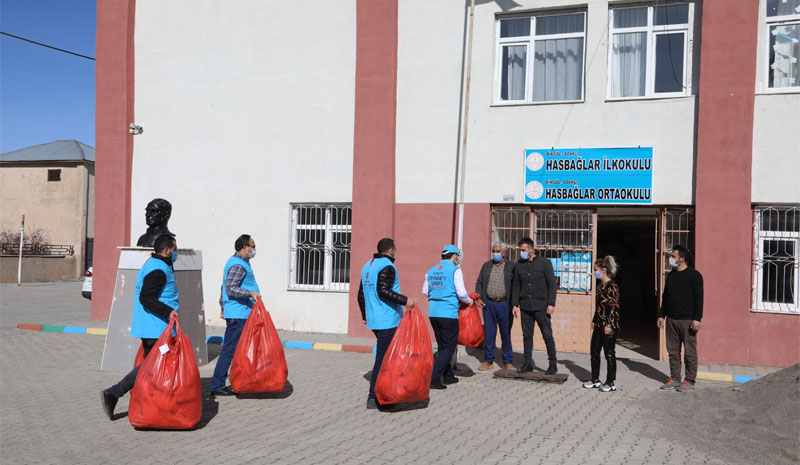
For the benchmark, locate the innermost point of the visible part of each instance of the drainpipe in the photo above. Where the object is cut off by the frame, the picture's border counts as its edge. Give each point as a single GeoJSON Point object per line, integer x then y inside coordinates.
{"type": "Point", "coordinates": [463, 158]}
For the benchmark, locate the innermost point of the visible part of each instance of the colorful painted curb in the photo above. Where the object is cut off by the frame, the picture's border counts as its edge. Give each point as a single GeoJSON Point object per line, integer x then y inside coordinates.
{"type": "Point", "coordinates": [702, 373]}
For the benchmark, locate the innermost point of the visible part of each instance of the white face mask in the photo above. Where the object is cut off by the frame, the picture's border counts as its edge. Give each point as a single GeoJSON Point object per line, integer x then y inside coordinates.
{"type": "Point", "coordinates": [252, 253]}
{"type": "Point", "coordinates": [672, 262]}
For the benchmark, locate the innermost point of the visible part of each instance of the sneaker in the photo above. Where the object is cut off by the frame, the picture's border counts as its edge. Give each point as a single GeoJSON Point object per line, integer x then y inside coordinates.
{"type": "Point", "coordinates": [109, 402]}
{"type": "Point", "coordinates": [608, 387]}
{"type": "Point", "coordinates": [485, 366]}
{"type": "Point", "coordinates": [685, 386]}
{"type": "Point", "coordinates": [591, 384]}
{"type": "Point", "coordinates": [372, 403]}
{"type": "Point", "coordinates": [671, 383]}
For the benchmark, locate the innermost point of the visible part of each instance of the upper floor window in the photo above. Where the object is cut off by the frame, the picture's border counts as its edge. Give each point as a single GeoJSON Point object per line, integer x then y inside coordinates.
{"type": "Point", "coordinates": [650, 51]}
{"type": "Point", "coordinates": [783, 28]}
{"type": "Point", "coordinates": [540, 58]}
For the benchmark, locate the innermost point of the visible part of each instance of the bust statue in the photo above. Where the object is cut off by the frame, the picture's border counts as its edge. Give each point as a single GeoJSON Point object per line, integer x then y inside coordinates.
{"type": "Point", "coordinates": [156, 215]}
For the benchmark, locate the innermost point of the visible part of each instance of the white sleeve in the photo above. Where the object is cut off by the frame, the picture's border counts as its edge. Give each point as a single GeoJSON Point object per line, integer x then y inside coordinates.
{"type": "Point", "coordinates": [461, 291]}
{"type": "Point", "coordinates": [425, 286]}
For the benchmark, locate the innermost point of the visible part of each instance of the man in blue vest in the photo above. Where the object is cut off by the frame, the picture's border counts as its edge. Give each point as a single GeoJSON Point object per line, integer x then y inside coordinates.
{"type": "Point", "coordinates": [238, 295]}
{"type": "Point", "coordinates": [155, 302]}
{"type": "Point", "coordinates": [444, 286]}
{"type": "Point", "coordinates": [381, 304]}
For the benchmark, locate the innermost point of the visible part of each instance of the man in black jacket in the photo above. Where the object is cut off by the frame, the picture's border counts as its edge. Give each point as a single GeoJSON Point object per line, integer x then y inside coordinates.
{"type": "Point", "coordinates": [682, 305]}
{"type": "Point", "coordinates": [381, 304]}
{"type": "Point", "coordinates": [533, 291]}
{"type": "Point", "coordinates": [494, 287]}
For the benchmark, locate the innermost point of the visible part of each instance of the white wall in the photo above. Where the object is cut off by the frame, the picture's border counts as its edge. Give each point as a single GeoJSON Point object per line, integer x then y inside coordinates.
{"type": "Point", "coordinates": [429, 77]}
{"type": "Point", "coordinates": [245, 107]}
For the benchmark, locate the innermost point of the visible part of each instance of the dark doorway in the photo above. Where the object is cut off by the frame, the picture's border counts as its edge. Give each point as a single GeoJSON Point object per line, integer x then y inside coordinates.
{"type": "Point", "coordinates": [632, 242]}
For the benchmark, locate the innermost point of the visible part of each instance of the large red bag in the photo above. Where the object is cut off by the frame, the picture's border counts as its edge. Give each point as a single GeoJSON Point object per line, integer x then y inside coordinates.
{"type": "Point", "coordinates": [470, 327]}
{"type": "Point", "coordinates": [139, 356]}
{"type": "Point", "coordinates": [405, 374]}
{"type": "Point", "coordinates": [168, 393]}
{"type": "Point", "coordinates": [259, 364]}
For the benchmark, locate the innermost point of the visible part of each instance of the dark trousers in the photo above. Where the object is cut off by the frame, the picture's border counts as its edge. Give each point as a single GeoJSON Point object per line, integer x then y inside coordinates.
{"type": "Point", "coordinates": [126, 384]}
{"type": "Point", "coordinates": [384, 337]}
{"type": "Point", "coordinates": [541, 318]}
{"type": "Point", "coordinates": [446, 332]}
{"type": "Point", "coordinates": [601, 340]}
{"type": "Point", "coordinates": [678, 333]}
{"type": "Point", "coordinates": [495, 315]}
{"type": "Point", "coordinates": [233, 331]}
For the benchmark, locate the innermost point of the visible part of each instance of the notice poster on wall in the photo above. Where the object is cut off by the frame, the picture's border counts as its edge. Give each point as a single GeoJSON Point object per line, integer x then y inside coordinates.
{"type": "Point", "coordinates": [589, 176]}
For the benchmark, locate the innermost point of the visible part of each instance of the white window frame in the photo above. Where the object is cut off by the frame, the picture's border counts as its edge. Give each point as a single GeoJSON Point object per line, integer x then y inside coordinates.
{"type": "Point", "coordinates": [760, 236]}
{"type": "Point", "coordinates": [530, 42]}
{"type": "Point", "coordinates": [652, 31]}
{"type": "Point", "coordinates": [769, 22]}
{"type": "Point", "coordinates": [330, 229]}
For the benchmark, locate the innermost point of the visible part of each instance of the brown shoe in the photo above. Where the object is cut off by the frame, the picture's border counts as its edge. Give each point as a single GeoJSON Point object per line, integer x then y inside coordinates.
{"type": "Point", "coordinates": [485, 366]}
{"type": "Point", "coordinates": [508, 366]}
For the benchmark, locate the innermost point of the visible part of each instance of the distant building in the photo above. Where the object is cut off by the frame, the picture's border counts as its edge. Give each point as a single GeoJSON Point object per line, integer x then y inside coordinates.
{"type": "Point", "coordinates": [53, 186]}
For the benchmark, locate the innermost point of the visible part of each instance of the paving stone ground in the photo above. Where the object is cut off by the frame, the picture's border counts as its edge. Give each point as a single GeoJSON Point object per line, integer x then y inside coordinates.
{"type": "Point", "coordinates": [50, 409]}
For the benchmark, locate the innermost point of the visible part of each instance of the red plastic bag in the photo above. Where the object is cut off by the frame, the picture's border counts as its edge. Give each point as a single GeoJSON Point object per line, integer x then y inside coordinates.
{"type": "Point", "coordinates": [259, 364]}
{"type": "Point", "coordinates": [470, 327]}
{"type": "Point", "coordinates": [139, 356]}
{"type": "Point", "coordinates": [405, 374]}
{"type": "Point", "coordinates": [168, 393]}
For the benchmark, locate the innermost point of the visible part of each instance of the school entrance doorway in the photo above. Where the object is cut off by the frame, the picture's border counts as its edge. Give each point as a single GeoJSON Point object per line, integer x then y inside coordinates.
{"type": "Point", "coordinates": [640, 238]}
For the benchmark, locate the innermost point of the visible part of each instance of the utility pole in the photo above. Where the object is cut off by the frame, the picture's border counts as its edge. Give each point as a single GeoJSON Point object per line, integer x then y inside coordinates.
{"type": "Point", "coordinates": [462, 161]}
{"type": "Point", "coordinates": [19, 266]}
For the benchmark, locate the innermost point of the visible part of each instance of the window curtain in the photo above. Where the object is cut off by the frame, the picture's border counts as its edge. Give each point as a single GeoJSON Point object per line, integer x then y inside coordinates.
{"type": "Point", "coordinates": [558, 69]}
{"type": "Point", "coordinates": [628, 64]}
{"type": "Point", "coordinates": [512, 86]}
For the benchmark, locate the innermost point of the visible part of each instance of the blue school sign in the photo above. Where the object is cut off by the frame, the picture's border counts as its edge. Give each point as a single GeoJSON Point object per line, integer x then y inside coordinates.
{"type": "Point", "coordinates": [605, 176]}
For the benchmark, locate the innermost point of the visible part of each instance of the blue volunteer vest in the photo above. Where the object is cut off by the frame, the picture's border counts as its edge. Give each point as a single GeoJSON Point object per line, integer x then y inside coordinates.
{"type": "Point", "coordinates": [145, 324]}
{"type": "Point", "coordinates": [380, 314]}
{"type": "Point", "coordinates": [239, 308]}
{"type": "Point", "coordinates": [442, 298]}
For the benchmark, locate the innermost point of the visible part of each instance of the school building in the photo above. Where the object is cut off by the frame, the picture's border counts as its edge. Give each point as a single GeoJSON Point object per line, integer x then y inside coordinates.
{"type": "Point", "coordinates": [595, 127]}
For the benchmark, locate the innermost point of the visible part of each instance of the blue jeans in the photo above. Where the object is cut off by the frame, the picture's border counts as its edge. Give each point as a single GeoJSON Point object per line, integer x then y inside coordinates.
{"type": "Point", "coordinates": [232, 333]}
{"type": "Point", "coordinates": [384, 339]}
{"type": "Point", "coordinates": [446, 332]}
{"type": "Point", "coordinates": [495, 315]}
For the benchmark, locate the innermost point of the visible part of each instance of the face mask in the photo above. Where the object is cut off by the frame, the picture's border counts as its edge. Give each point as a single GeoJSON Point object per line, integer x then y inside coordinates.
{"type": "Point", "coordinates": [496, 257]}
{"type": "Point", "coordinates": [524, 255]}
{"type": "Point", "coordinates": [252, 254]}
{"type": "Point", "coordinates": [174, 256]}
{"type": "Point", "coordinates": [598, 274]}
{"type": "Point", "coordinates": [673, 263]}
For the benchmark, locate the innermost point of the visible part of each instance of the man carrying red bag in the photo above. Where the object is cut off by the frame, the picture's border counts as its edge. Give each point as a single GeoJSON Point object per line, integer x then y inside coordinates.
{"type": "Point", "coordinates": [238, 295]}
{"type": "Point", "coordinates": [155, 302]}
{"type": "Point", "coordinates": [381, 304]}
{"type": "Point", "coordinates": [444, 286]}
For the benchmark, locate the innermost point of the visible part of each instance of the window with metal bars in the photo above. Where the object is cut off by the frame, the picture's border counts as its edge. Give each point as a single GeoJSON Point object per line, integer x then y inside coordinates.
{"type": "Point", "coordinates": [565, 236]}
{"type": "Point", "coordinates": [320, 247]}
{"type": "Point", "coordinates": [777, 259]}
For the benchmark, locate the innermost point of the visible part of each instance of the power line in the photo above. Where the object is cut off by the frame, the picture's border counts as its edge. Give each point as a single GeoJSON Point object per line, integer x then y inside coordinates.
{"type": "Point", "coordinates": [47, 46]}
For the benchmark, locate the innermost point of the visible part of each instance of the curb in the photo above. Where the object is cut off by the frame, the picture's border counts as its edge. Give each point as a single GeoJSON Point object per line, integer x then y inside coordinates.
{"type": "Point", "coordinates": [702, 372]}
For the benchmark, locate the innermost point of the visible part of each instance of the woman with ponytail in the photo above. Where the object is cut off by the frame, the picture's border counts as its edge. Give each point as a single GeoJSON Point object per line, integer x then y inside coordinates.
{"type": "Point", "coordinates": [605, 324]}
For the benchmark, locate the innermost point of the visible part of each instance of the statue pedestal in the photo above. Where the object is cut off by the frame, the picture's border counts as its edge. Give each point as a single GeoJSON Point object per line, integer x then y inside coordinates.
{"type": "Point", "coordinates": [120, 348]}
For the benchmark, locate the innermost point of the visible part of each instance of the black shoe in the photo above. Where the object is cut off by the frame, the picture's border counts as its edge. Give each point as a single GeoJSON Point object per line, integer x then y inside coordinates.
{"type": "Point", "coordinates": [525, 368]}
{"type": "Point", "coordinates": [109, 402]}
{"type": "Point", "coordinates": [452, 380]}
{"type": "Point", "coordinates": [372, 403]}
{"type": "Point", "coordinates": [437, 385]}
{"type": "Point", "coordinates": [552, 369]}
{"type": "Point", "coordinates": [226, 391]}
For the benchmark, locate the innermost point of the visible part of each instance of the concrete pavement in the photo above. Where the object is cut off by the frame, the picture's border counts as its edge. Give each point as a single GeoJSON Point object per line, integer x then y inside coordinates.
{"type": "Point", "coordinates": [50, 409]}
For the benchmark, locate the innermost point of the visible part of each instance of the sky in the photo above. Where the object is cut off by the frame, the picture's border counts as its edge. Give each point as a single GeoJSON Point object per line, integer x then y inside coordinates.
{"type": "Point", "coordinates": [46, 95]}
